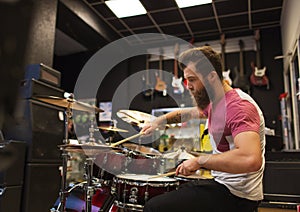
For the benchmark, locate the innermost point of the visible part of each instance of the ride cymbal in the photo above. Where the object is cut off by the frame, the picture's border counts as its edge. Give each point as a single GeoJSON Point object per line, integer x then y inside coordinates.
{"type": "Point", "coordinates": [135, 117]}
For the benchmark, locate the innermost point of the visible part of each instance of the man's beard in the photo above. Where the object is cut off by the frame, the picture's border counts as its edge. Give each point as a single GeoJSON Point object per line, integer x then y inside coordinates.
{"type": "Point", "coordinates": [200, 98]}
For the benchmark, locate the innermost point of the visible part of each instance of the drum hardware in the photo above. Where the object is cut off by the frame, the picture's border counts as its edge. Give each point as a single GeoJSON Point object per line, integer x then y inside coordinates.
{"type": "Point", "coordinates": [69, 104]}
{"type": "Point", "coordinates": [89, 186]}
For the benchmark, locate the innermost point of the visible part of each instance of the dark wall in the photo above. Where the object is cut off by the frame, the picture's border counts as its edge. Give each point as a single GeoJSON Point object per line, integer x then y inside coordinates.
{"type": "Point", "coordinates": [269, 99]}
{"type": "Point", "coordinates": [270, 40]}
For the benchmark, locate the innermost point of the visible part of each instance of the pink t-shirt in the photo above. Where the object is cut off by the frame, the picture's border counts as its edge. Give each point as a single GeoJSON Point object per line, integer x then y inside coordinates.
{"type": "Point", "coordinates": [236, 113]}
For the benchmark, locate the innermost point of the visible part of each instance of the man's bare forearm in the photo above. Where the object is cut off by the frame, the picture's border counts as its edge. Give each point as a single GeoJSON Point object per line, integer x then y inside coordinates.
{"type": "Point", "coordinates": [182, 115]}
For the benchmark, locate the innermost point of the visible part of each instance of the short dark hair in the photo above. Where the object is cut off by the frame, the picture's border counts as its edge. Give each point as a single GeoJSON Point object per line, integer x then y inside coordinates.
{"type": "Point", "coordinates": [199, 56]}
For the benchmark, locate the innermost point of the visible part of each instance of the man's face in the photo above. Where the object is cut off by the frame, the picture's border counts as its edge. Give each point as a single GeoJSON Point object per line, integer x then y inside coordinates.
{"type": "Point", "coordinates": [196, 87]}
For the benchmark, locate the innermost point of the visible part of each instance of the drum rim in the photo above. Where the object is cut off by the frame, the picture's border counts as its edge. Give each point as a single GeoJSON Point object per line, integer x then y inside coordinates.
{"type": "Point", "coordinates": [130, 206]}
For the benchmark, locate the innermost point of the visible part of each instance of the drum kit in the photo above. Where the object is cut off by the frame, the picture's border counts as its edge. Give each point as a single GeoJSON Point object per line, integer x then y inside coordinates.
{"type": "Point", "coordinates": [128, 174]}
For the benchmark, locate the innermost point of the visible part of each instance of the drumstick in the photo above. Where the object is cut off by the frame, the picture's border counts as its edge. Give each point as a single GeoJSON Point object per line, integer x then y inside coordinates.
{"type": "Point", "coordinates": [126, 139]}
{"type": "Point", "coordinates": [163, 175]}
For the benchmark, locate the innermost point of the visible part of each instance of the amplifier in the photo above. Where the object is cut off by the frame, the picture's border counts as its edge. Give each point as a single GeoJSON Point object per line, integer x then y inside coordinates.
{"type": "Point", "coordinates": [44, 73]}
{"type": "Point", "coordinates": [33, 87]}
{"type": "Point", "coordinates": [41, 126]}
{"type": "Point", "coordinates": [13, 174]}
{"type": "Point", "coordinates": [41, 187]}
{"type": "Point", "coordinates": [10, 198]}
{"type": "Point", "coordinates": [281, 181]}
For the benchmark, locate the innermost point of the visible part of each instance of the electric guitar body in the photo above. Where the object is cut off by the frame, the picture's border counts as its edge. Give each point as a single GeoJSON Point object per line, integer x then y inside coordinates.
{"type": "Point", "coordinates": [177, 81]}
{"type": "Point", "coordinates": [258, 76]}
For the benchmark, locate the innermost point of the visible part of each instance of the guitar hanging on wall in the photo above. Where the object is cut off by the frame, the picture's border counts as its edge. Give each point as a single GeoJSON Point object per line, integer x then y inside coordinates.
{"type": "Point", "coordinates": [191, 45]}
{"type": "Point", "coordinates": [258, 76]}
{"type": "Point", "coordinates": [161, 85]}
{"type": "Point", "coordinates": [225, 74]}
{"type": "Point", "coordinates": [240, 80]}
{"type": "Point", "coordinates": [176, 82]}
{"type": "Point", "coordinates": [148, 90]}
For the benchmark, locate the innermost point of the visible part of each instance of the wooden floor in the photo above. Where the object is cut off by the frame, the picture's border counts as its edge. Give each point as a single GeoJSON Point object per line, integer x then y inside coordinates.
{"type": "Point", "coordinates": [275, 210]}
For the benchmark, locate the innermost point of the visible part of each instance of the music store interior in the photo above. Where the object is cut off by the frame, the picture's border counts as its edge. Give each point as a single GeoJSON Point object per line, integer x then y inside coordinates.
{"type": "Point", "coordinates": [79, 80]}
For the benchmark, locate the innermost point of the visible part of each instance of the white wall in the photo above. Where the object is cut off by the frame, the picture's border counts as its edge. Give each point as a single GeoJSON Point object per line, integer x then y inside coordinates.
{"type": "Point", "coordinates": [290, 27]}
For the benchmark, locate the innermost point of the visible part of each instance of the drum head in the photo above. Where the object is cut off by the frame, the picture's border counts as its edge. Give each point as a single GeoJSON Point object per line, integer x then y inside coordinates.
{"type": "Point", "coordinates": [145, 178]}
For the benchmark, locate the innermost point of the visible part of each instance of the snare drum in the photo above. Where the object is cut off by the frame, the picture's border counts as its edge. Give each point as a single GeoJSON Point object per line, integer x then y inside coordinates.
{"type": "Point", "coordinates": [199, 175]}
{"type": "Point", "coordinates": [133, 191]}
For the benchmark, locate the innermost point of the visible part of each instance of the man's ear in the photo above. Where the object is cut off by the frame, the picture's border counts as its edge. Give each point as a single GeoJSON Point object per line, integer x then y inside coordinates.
{"type": "Point", "coordinates": [212, 76]}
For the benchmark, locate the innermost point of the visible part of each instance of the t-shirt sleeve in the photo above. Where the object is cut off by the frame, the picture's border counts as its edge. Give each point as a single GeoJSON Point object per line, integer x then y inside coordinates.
{"type": "Point", "coordinates": [243, 117]}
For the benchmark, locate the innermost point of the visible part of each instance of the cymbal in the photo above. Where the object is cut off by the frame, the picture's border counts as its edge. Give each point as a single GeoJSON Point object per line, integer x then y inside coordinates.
{"type": "Point", "coordinates": [142, 149]}
{"type": "Point", "coordinates": [89, 149]}
{"type": "Point", "coordinates": [135, 117]}
{"type": "Point", "coordinates": [69, 103]}
{"type": "Point", "coordinates": [114, 129]}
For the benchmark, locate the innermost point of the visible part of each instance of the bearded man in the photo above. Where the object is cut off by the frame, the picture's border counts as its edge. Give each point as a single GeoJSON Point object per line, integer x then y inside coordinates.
{"type": "Point", "coordinates": [236, 130]}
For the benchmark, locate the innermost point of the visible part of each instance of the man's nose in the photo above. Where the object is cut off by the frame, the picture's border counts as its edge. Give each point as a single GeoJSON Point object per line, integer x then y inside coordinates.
{"type": "Point", "coordinates": [189, 85]}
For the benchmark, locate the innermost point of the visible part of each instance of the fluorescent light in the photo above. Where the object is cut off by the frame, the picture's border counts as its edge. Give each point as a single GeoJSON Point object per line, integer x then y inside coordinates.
{"type": "Point", "coordinates": [190, 3]}
{"type": "Point", "coordinates": [126, 8]}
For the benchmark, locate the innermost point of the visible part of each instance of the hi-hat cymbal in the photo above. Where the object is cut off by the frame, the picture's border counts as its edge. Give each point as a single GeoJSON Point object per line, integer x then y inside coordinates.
{"type": "Point", "coordinates": [114, 129]}
{"type": "Point", "coordinates": [69, 103]}
{"type": "Point", "coordinates": [142, 149]}
{"type": "Point", "coordinates": [90, 148]}
{"type": "Point", "coordinates": [135, 117]}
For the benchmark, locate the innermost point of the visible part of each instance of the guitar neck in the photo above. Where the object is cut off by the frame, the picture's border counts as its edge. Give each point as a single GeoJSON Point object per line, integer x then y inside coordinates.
{"type": "Point", "coordinates": [175, 68]}
{"type": "Point", "coordinates": [223, 57]}
{"type": "Point", "coordinates": [241, 44]}
{"type": "Point", "coordinates": [160, 67]}
{"type": "Point", "coordinates": [258, 65]}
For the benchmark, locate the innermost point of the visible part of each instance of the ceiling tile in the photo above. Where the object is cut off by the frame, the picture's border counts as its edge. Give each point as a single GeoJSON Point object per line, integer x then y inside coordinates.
{"type": "Point", "coordinates": [231, 6]}
{"type": "Point", "coordinates": [196, 12]}
{"type": "Point", "coordinates": [203, 25]}
{"type": "Point", "coordinates": [259, 4]}
{"type": "Point", "coordinates": [234, 21]}
{"type": "Point", "coordinates": [138, 21]}
{"type": "Point", "coordinates": [147, 30]}
{"type": "Point", "coordinates": [264, 17]}
{"type": "Point", "coordinates": [167, 17]}
{"type": "Point", "coordinates": [117, 24]}
{"type": "Point", "coordinates": [174, 29]}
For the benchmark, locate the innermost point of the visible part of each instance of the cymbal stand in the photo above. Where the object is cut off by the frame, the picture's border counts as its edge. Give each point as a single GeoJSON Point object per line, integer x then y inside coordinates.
{"type": "Point", "coordinates": [88, 165]}
{"type": "Point", "coordinates": [89, 187]}
{"type": "Point", "coordinates": [91, 132]}
{"type": "Point", "coordinates": [65, 157]}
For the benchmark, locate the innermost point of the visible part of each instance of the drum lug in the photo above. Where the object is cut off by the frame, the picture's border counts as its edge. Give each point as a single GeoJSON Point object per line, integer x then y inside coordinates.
{"type": "Point", "coordinates": [133, 195]}
{"type": "Point", "coordinates": [146, 196]}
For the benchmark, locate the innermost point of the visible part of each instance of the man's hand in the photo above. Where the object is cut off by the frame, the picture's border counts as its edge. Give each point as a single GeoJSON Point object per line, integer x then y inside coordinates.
{"type": "Point", "coordinates": [149, 128]}
{"type": "Point", "coordinates": [188, 167]}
